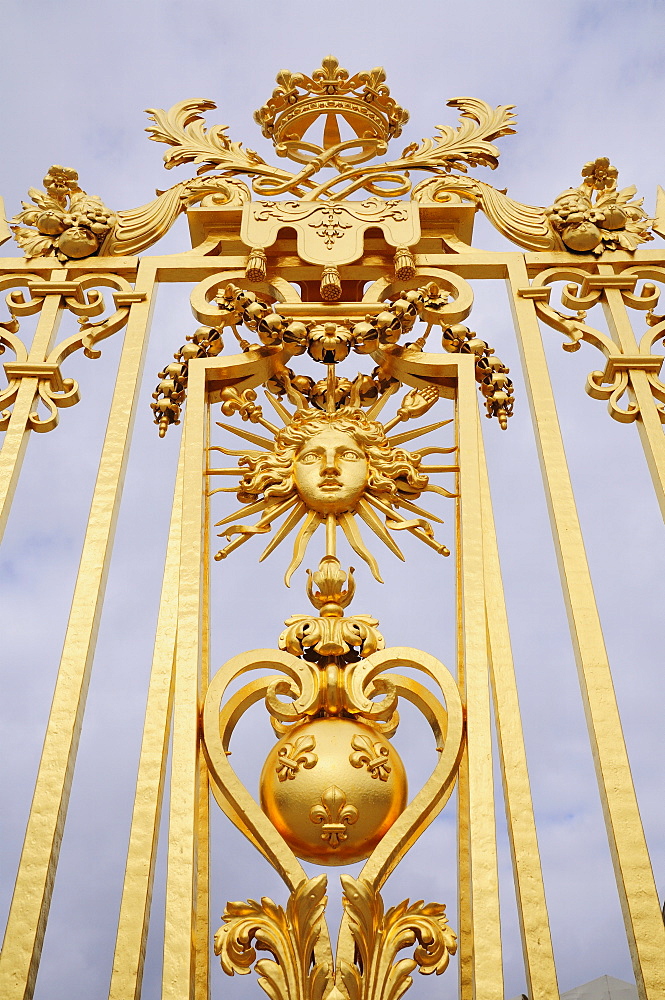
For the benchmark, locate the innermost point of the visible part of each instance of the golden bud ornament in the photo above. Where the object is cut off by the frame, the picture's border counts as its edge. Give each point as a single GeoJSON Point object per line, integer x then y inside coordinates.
{"type": "Point", "coordinates": [257, 264]}
{"type": "Point", "coordinates": [405, 265]}
{"type": "Point", "coordinates": [331, 284]}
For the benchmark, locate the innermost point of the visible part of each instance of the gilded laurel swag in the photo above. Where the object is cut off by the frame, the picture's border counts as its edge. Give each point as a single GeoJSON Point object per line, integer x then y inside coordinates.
{"type": "Point", "coordinates": [281, 476]}
{"type": "Point", "coordinates": [290, 935]}
{"type": "Point", "coordinates": [239, 307]}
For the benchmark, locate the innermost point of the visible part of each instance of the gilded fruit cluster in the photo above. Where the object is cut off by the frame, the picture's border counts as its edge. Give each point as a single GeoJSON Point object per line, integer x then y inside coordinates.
{"type": "Point", "coordinates": [64, 220]}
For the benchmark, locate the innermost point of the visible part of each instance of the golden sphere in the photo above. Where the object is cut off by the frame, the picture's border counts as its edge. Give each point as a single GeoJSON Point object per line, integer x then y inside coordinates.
{"type": "Point", "coordinates": [77, 242]}
{"type": "Point", "coordinates": [332, 788]}
{"type": "Point", "coordinates": [582, 236]}
{"type": "Point", "coordinates": [50, 224]}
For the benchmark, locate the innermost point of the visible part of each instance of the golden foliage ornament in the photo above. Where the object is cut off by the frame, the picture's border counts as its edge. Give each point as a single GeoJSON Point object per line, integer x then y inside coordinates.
{"type": "Point", "coordinates": [290, 936]}
{"type": "Point", "coordinates": [379, 935]}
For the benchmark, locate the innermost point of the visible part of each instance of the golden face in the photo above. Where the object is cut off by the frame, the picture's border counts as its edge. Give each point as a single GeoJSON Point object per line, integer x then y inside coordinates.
{"type": "Point", "coordinates": [330, 472]}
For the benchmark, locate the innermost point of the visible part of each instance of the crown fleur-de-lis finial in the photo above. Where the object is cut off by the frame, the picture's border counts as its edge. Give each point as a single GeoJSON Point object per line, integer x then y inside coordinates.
{"type": "Point", "coordinates": [363, 101]}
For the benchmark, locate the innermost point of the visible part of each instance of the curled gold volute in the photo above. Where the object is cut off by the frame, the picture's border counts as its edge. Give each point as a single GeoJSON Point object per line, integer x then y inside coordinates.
{"type": "Point", "coordinates": [331, 689]}
{"type": "Point", "coordinates": [331, 636]}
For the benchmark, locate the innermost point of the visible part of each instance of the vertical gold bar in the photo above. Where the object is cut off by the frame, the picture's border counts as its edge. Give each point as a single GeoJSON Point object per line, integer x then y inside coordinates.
{"type": "Point", "coordinates": [527, 873]}
{"type": "Point", "coordinates": [637, 891]}
{"type": "Point", "coordinates": [14, 445]}
{"type": "Point", "coordinates": [651, 432]}
{"type": "Point", "coordinates": [34, 882]}
{"type": "Point", "coordinates": [465, 951]}
{"type": "Point", "coordinates": [202, 931]}
{"type": "Point", "coordinates": [484, 876]}
{"type": "Point", "coordinates": [648, 421]}
{"type": "Point", "coordinates": [464, 921]}
{"type": "Point", "coordinates": [17, 433]}
{"type": "Point", "coordinates": [202, 939]}
{"type": "Point", "coordinates": [181, 889]}
{"type": "Point", "coordinates": [129, 957]}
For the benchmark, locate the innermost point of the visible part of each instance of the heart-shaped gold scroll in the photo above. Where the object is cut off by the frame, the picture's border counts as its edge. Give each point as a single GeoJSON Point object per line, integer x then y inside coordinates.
{"type": "Point", "coordinates": [371, 677]}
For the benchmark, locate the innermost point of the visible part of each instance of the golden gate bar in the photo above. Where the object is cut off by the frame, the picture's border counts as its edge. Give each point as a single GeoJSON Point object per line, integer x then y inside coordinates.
{"type": "Point", "coordinates": [286, 264]}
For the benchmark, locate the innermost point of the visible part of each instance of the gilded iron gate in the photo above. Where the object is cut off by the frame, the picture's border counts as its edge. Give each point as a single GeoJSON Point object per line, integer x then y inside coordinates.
{"type": "Point", "coordinates": [286, 288]}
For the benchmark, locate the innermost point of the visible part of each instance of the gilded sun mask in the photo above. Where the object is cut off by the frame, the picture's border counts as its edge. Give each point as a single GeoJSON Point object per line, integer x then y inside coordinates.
{"type": "Point", "coordinates": [332, 468]}
{"type": "Point", "coordinates": [330, 472]}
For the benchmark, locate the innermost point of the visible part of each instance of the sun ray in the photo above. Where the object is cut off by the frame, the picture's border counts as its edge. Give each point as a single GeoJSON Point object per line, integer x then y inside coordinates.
{"type": "Point", "coordinates": [251, 508]}
{"type": "Point", "coordinates": [431, 488]}
{"type": "Point", "coordinates": [304, 513]}
{"type": "Point", "coordinates": [428, 396]}
{"type": "Point", "coordinates": [296, 398]}
{"type": "Point", "coordinates": [417, 432]}
{"type": "Point", "coordinates": [247, 453]}
{"type": "Point", "coordinates": [388, 426]}
{"type": "Point", "coordinates": [268, 425]}
{"type": "Point", "coordinates": [379, 529]}
{"type": "Point", "coordinates": [248, 436]}
{"type": "Point", "coordinates": [232, 546]}
{"type": "Point", "coordinates": [331, 535]}
{"type": "Point", "coordinates": [399, 523]}
{"type": "Point", "coordinates": [223, 489]}
{"type": "Point", "coordinates": [428, 469]}
{"type": "Point", "coordinates": [245, 531]}
{"type": "Point", "coordinates": [285, 529]}
{"type": "Point", "coordinates": [354, 397]}
{"type": "Point", "coordinates": [431, 451]}
{"type": "Point", "coordinates": [279, 408]}
{"type": "Point", "coordinates": [377, 406]}
{"type": "Point", "coordinates": [354, 538]}
{"type": "Point", "coordinates": [415, 509]}
{"type": "Point", "coordinates": [310, 525]}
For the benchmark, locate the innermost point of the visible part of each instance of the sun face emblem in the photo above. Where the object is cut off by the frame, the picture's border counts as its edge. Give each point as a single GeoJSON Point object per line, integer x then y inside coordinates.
{"type": "Point", "coordinates": [330, 471]}
{"type": "Point", "coordinates": [329, 468]}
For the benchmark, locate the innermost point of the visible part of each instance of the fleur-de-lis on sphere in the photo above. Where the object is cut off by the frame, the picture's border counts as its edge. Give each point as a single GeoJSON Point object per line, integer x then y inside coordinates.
{"type": "Point", "coordinates": [373, 754]}
{"type": "Point", "coordinates": [334, 814]}
{"type": "Point", "coordinates": [292, 755]}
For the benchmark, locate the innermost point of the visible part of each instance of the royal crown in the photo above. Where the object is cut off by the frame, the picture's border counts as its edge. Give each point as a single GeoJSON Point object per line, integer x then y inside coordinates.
{"type": "Point", "coordinates": [362, 100]}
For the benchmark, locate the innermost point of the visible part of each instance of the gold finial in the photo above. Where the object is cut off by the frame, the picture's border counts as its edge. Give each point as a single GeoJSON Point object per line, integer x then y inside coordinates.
{"type": "Point", "coordinates": [330, 579]}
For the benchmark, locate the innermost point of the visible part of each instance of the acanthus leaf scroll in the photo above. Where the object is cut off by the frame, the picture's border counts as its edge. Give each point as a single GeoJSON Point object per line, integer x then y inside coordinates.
{"type": "Point", "coordinates": [290, 936]}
